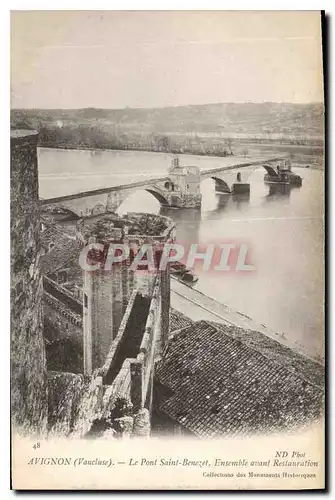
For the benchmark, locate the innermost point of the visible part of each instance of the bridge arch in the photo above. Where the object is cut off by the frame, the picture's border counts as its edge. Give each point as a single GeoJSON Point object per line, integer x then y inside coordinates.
{"type": "Point", "coordinates": [131, 202]}
{"type": "Point", "coordinates": [221, 185]}
{"type": "Point", "coordinates": [270, 169]}
{"type": "Point", "coordinates": [60, 212]}
{"type": "Point", "coordinates": [159, 196]}
{"type": "Point", "coordinates": [99, 208]}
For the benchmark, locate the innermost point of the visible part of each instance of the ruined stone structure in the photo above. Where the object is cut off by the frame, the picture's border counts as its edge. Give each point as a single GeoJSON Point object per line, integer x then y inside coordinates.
{"type": "Point", "coordinates": [110, 325]}
{"type": "Point", "coordinates": [28, 364]}
{"type": "Point", "coordinates": [63, 328]}
{"type": "Point", "coordinates": [180, 189]}
{"type": "Point", "coordinates": [107, 292]}
{"type": "Point", "coordinates": [184, 185]}
{"type": "Point", "coordinates": [69, 400]}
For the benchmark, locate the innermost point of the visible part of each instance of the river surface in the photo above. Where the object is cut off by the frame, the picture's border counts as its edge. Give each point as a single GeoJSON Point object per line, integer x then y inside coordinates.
{"type": "Point", "coordinates": [283, 230]}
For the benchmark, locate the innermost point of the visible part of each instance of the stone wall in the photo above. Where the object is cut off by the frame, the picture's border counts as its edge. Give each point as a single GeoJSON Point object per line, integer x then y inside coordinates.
{"type": "Point", "coordinates": [102, 317]}
{"type": "Point", "coordinates": [60, 293]}
{"type": "Point", "coordinates": [77, 403]}
{"type": "Point", "coordinates": [165, 293]}
{"type": "Point", "coordinates": [28, 361]}
{"type": "Point", "coordinates": [107, 292]}
{"type": "Point", "coordinates": [63, 334]}
{"type": "Point", "coordinates": [151, 346]}
{"type": "Point", "coordinates": [64, 321]}
{"type": "Point", "coordinates": [113, 353]}
{"type": "Point", "coordinates": [65, 393]}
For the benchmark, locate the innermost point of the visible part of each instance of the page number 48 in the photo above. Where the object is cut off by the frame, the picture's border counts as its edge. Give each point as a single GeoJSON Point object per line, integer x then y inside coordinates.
{"type": "Point", "coordinates": [36, 445]}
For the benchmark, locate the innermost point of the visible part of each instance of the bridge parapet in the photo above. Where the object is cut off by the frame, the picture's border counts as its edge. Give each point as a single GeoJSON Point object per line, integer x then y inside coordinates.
{"type": "Point", "coordinates": [106, 200]}
{"type": "Point", "coordinates": [244, 166]}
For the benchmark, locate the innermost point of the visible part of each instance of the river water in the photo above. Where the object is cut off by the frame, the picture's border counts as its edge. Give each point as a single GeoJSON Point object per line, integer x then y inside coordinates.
{"type": "Point", "coordinates": [283, 230]}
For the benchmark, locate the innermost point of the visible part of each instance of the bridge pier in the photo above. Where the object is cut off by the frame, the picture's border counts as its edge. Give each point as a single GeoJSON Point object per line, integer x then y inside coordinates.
{"type": "Point", "coordinates": [184, 200]}
{"type": "Point", "coordinates": [240, 188]}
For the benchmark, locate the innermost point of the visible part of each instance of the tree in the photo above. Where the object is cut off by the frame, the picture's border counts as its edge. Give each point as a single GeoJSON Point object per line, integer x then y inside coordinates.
{"type": "Point", "coordinates": [164, 144]}
{"type": "Point", "coordinates": [229, 143]}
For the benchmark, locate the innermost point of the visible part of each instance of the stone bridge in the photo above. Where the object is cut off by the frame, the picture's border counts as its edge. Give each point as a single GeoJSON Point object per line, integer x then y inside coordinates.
{"type": "Point", "coordinates": [180, 188]}
{"type": "Point", "coordinates": [226, 176]}
{"type": "Point", "coordinates": [104, 200]}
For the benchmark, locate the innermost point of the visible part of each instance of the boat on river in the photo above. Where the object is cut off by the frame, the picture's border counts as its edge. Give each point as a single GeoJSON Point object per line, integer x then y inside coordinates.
{"type": "Point", "coordinates": [183, 273]}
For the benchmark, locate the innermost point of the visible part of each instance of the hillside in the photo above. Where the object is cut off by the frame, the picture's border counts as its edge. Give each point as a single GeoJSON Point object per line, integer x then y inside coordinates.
{"type": "Point", "coordinates": [248, 118]}
{"type": "Point", "coordinates": [209, 129]}
{"type": "Point", "coordinates": [242, 118]}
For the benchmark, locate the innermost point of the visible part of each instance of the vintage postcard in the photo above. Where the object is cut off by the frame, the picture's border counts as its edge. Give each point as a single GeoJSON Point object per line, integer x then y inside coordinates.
{"type": "Point", "coordinates": [167, 250]}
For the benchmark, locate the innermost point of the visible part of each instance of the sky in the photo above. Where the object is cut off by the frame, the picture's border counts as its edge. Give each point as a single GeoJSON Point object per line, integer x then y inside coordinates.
{"type": "Point", "coordinates": [115, 59]}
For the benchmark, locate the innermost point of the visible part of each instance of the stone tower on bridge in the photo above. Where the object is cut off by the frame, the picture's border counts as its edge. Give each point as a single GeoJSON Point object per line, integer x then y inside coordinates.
{"type": "Point", "coordinates": [184, 186]}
